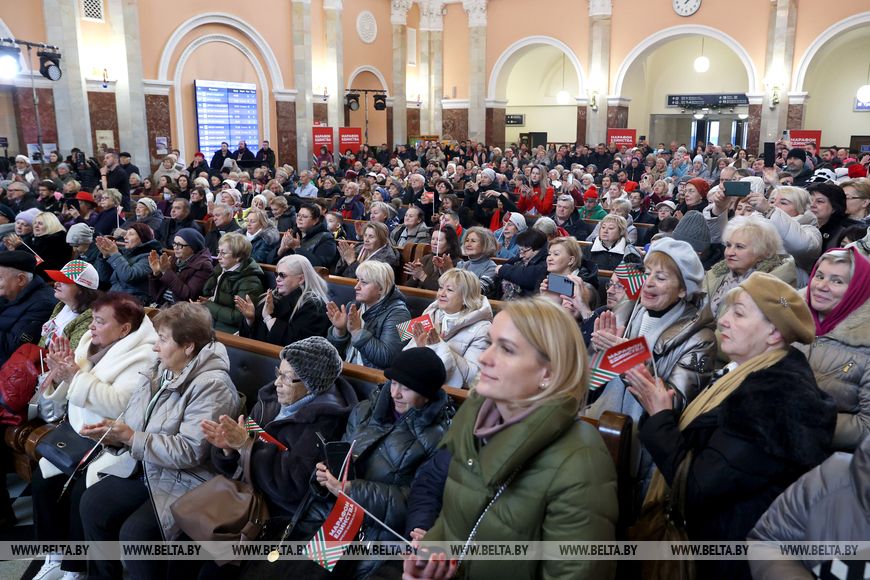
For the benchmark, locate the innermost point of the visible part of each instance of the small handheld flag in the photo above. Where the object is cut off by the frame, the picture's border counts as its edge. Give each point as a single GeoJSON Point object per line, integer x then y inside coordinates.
{"type": "Point", "coordinates": [616, 360]}
{"type": "Point", "coordinates": [251, 426]}
{"type": "Point", "coordinates": [631, 279]}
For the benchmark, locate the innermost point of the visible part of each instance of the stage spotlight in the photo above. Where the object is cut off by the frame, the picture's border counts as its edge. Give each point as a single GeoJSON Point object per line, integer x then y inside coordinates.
{"type": "Point", "coordinates": [380, 102]}
{"type": "Point", "coordinates": [351, 101]}
{"type": "Point", "coordinates": [49, 65]}
{"type": "Point", "coordinates": [9, 56]}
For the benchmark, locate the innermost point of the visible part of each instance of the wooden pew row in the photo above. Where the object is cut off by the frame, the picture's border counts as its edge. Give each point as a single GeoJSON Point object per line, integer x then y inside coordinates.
{"type": "Point", "coordinates": [593, 223]}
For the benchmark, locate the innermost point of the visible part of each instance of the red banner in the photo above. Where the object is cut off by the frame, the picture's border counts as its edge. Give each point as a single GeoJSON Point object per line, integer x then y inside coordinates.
{"type": "Point", "coordinates": [339, 529]}
{"type": "Point", "coordinates": [349, 138]}
{"type": "Point", "coordinates": [800, 138]}
{"type": "Point", "coordinates": [322, 136]}
{"type": "Point", "coordinates": [620, 137]}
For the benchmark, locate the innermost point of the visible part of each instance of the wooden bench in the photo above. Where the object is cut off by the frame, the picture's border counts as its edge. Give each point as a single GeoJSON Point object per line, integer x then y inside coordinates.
{"type": "Point", "coordinates": [639, 226]}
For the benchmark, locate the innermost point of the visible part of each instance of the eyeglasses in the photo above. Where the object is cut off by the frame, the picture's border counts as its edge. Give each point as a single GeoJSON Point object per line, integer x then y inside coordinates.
{"type": "Point", "coordinates": [285, 378]}
{"type": "Point", "coordinates": [224, 253]}
{"type": "Point", "coordinates": [280, 275]}
{"type": "Point", "coordinates": [178, 246]}
{"type": "Point", "coordinates": [615, 286]}
{"type": "Point", "coordinates": [854, 197]}
{"type": "Point", "coordinates": [524, 250]}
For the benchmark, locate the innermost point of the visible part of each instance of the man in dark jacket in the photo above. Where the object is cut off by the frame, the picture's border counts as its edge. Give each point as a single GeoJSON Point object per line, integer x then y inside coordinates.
{"type": "Point", "coordinates": [20, 198]}
{"type": "Point", "coordinates": [266, 156]}
{"type": "Point", "coordinates": [113, 176]}
{"type": "Point", "coordinates": [567, 218]}
{"type": "Point", "coordinates": [26, 302]}
{"type": "Point", "coordinates": [313, 240]}
{"type": "Point", "coordinates": [221, 155]}
{"type": "Point", "coordinates": [243, 156]}
{"type": "Point", "coordinates": [179, 219]}
{"type": "Point", "coordinates": [125, 161]}
{"type": "Point", "coordinates": [197, 166]}
{"type": "Point", "coordinates": [223, 223]}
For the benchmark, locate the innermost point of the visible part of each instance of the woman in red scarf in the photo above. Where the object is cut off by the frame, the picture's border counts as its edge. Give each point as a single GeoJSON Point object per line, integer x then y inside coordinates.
{"type": "Point", "coordinates": [536, 197]}
{"type": "Point", "coordinates": [840, 356]}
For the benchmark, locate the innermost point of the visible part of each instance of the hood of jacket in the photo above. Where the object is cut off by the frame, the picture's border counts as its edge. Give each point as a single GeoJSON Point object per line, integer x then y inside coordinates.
{"type": "Point", "coordinates": [144, 248]}
{"type": "Point", "coordinates": [855, 329]}
{"type": "Point", "coordinates": [858, 470]}
{"type": "Point", "coordinates": [468, 318]}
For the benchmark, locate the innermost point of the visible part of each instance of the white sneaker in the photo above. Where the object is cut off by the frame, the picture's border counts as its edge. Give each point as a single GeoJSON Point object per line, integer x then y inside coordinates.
{"type": "Point", "coordinates": [49, 571]}
{"type": "Point", "coordinates": [74, 576]}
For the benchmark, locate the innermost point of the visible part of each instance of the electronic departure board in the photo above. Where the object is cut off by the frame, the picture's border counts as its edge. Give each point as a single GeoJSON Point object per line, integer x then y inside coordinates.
{"type": "Point", "coordinates": [226, 111]}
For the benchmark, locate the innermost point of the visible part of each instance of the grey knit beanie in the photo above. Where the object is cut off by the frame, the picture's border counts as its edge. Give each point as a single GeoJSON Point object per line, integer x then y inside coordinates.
{"type": "Point", "coordinates": [315, 361]}
{"type": "Point", "coordinates": [693, 229]}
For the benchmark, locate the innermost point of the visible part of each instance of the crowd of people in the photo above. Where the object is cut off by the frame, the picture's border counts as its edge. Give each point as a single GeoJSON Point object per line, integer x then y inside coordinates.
{"type": "Point", "coordinates": [754, 308]}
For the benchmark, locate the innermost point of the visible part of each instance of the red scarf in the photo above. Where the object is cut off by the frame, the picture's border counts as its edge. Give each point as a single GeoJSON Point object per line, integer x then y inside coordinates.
{"type": "Point", "coordinates": [495, 220]}
{"type": "Point", "coordinates": [856, 295]}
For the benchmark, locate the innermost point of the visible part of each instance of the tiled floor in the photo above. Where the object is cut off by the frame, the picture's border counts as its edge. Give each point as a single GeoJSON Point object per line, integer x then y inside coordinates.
{"type": "Point", "coordinates": [22, 503]}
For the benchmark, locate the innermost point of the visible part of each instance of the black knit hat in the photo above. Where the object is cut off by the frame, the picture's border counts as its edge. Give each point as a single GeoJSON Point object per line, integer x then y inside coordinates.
{"type": "Point", "coordinates": [797, 153]}
{"type": "Point", "coordinates": [419, 369]}
{"type": "Point", "coordinates": [315, 361]}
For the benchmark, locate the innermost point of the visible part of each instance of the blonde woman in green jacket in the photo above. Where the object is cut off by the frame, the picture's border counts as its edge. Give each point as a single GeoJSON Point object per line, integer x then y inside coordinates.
{"type": "Point", "coordinates": [518, 432]}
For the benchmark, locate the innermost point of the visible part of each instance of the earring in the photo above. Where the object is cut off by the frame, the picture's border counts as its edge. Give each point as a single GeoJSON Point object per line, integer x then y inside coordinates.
{"type": "Point", "coordinates": [544, 385]}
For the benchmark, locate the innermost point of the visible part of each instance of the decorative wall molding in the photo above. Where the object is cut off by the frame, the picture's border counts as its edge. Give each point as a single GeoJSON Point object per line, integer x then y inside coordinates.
{"type": "Point", "coordinates": [399, 11]}
{"type": "Point", "coordinates": [476, 11]}
{"type": "Point", "coordinates": [495, 103]}
{"type": "Point", "coordinates": [431, 15]}
{"type": "Point", "coordinates": [454, 104]}
{"type": "Point", "coordinates": [492, 92]}
{"type": "Point", "coordinates": [366, 68]}
{"type": "Point", "coordinates": [366, 27]}
{"type": "Point", "coordinates": [798, 98]}
{"type": "Point", "coordinates": [285, 95]}
{"type": "Point", "coordinates": [96, 85]}
{"type": "Point", "coordinates": [155, 87]}
{"type": "Point", "coordinates": [332, 5]}
{"type": "Point", "coordinates": [618, 101]}
{"type": "Point", "coordinates": [600, 8]}
{"type": "Point", "coordinates": [663, 36]}
{"type": "Point", "coordinates": [836, 29]}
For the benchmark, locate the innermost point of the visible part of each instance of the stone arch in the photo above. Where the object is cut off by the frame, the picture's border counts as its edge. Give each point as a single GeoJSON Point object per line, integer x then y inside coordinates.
{"type": "Point", "coordinates": [504, 64]}
{"type": "Point", "coordinates": [661, 37]}
{"type": "Point", "coordinates": [833, 31]}
{"type": "Point", "coordinates": [370, 69]}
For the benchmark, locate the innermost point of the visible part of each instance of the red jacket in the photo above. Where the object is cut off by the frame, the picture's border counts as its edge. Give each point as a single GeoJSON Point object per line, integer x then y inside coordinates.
{"type": "Point", "coordinates": [534, 202]}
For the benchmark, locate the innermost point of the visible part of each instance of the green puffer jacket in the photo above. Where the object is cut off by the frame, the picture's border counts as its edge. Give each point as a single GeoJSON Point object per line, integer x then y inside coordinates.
{"type": "Point", "coordinates": [223, 287]}
{"type": "Point", "coordinates": [565, 490]}
{"type": "Point", "coordinates": [75, 329]}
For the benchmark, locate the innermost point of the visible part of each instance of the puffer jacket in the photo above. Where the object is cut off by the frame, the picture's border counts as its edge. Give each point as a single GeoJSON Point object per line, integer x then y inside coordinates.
{"type": "Point", "coordinates": [185, 281]}
{"type": "Point", "coordinates": [563, 489]}
{"type": "Point", "coordinates": [801, 238]}
{"type": "Point", "coordinates": [841, 363]}
{"type": "Point", "coordinates": [387, 454]}
{"type": "Point", "coordinates": [318, 245]}
{"type": "Point", "coordinates": [283, 476]}
{"type": "Point", "coordinates": [385, 254]}
{"type": "Point", "coordinates": [222, 287]}
{"type": "Point", "coordinates": [128, 270]}
{"type": "Point", "coordinates": [264, 245]}
{"type": "Point", "coordinates": [171, 446]}
{"type": "Point", "coordinates": [831, 503]}
{"type": "Point", "coordinates": [462, 343]}
{"type": "Point", "coordinates": [378, 342]}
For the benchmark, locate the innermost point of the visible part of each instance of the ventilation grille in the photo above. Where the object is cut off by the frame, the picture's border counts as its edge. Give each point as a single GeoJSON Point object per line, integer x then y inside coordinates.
{"type": "Point", "coordinates": [92, 10]}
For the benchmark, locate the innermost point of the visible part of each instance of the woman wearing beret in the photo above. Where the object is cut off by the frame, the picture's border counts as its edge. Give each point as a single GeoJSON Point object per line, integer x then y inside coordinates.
{"type": "Point", "coordinates": [752, 432]}
{"type": "Point", "coordinates": [839, 299]}
{"type": "Point", "coordinates": [182, 276]}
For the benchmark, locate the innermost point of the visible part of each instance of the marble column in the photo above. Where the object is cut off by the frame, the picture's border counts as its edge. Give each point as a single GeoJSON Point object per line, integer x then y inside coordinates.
{"type": "Point", "coordinates": [302, 79]}
{"type": "Point", "coordinates": [600, 12]}
{"type": "Point", "coordinates": [778, 66]}
{"type": "Point", "coordinates": [476, 11]}
{"type": "Point", "coordinates": [334, 65]}
{"type": "Point", "coordinates": [495, 123]}
{"type": "Point", "coordinates": [430, 67]}
{"type": "Point", "coordinates": [62, 26]}
{"type": "Point", "coordinates": [129, 86]}
{"type": "Point", "coordinates": [796, 111]}
{"type": "Point", "coordinates": [399, 20]}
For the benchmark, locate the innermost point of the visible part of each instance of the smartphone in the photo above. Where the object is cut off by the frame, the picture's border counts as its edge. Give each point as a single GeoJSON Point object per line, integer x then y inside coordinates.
{"type": "Point", "coordinates": [736, 188]}
{"type": "Point", "coordinates": [769, 153]}
{"type": "Point", "coordinates": [560, 285]}
{"type": "Point", "coordinates": [333, 454]}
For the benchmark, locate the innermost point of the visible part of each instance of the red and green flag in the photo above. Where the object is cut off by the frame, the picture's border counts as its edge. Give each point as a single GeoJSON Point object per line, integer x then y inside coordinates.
{"type": "Point", "coordinates": [631, 279]}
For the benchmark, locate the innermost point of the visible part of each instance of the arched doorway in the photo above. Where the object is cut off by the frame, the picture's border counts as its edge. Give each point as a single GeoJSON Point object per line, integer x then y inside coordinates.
{"type": "Point", "coordinates": [368, 78]}
{"type": "Point", "coordinates": [665, 65]}
{"type": "Point", "coordinates": [541, 79]}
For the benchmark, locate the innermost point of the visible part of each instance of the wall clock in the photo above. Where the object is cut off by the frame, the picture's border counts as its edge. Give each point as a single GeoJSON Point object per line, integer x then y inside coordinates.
{"type": "Point", "coordinates": [686, 7]}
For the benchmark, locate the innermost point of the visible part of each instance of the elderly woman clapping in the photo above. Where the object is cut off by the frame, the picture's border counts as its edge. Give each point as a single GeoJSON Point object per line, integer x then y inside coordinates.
{"type": "Point", "coordinates": [739, 458]}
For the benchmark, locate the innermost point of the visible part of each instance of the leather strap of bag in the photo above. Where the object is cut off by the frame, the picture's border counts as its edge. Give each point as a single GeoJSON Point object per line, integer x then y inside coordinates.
{"type": "Point", "coordinates": [676, 507]}
{"type": "Point", "coordinates": [245, 452]}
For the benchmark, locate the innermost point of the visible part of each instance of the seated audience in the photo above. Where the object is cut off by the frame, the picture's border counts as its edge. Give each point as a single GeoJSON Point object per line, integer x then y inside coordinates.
{"type": "Point", "coordinates": [364, 331]}
{"type": "Point", "coordinates": [479, 246]}
{"type": "Point", "coordinates": [412, 230]}
{"type": "Point", "coordinates": [283, 215]}
{"type": "Point", "coordinates": [179, 218]}
{"type": "Point", "coordinates": [127, 269]}
{"type": "Point", "coordinates": [109, 217]}
{"type": "Point", "coordinates": [611, 245]}
{"type": "Point", "coordinates": [96, 378]}
{"type": "Point", "coordinates": [352, 205]}
{"type": "Point", "coordinates": [567, 218]}
{"type": "Point", "coordinates": [519, 431]}
{"type": "Point", "coordinates": [23, 235]}
{"type": "Point", "coordinates": [237, 274]}
{"type": "Point", "coordinates": [146, 213]}
{"type": "Point", "coordinates": [383, 213]}
{"type": "Point", "coordinates": [295, 310]}
{"type": "Point", "coordinates": [312, 240]}
{"type": "Point", "coordinates": [506, 237]}
{"type": "Point", "coordinates": [222, 223]}
{"type": "Point", "coordinates": [162, 450]}
{"type": "Point", "coordinates": [76, 286]}
{"type": "Point", "coordinates": [49, 243]}
{"type": "Point", "coordinates": [738, 459]}
{"type": "Point", "coordinates": [461, 317]}
{"type": "Point", "coordinates": [522, 275]}
{"type": "Point", "coordinates": [425, 272]}
{"type": "Point", "coordinates": [181, 276]}
{"type": "Point", "coordinates": [839, 299]}
{"type": "Point", "coordinates": [827, 504]}
{"type": "Point", "coordinates": [857, 200]}
{"type": "Point", "coordinates": [263, 235]}
{"type": "Point", "coordinates": [375, 246]}
{"type": "Point", "coordinates": [829, 206]}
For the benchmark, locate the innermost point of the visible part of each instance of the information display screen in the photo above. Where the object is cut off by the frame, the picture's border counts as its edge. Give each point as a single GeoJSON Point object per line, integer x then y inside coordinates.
{"type": "Point", "coordinates": [226, 111]}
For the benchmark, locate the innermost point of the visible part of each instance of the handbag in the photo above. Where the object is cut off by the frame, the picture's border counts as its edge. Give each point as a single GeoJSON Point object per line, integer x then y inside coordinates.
{"type": "Point", "coordinates": [64, 448]}
{"type": "Point", "coordinates": [223, 509]}
{"type": "Point", "coordinates": [665, 521]}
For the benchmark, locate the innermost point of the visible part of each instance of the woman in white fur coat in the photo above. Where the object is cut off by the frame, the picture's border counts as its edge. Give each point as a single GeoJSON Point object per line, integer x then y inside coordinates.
{"type": "Point", "coordinates": [97, 381]}
{"type": "Point", "coordinates": [461, 317]}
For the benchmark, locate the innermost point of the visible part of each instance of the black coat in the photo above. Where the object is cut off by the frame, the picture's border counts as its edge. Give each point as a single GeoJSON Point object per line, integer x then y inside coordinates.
{"type": "Point", "coordinates": [318, 245]}
{"type": "Point", "coordinates": [773, 428]}
{"type": "Point", "coordinates": [21, 319]}
{"type": "Point", "coordinates": [170, 227]}
{"type": "Point", "coordinates": [283, 476]}
{"type": "Point", "coordinates": [214, 236]}
{"type": "Point", "coordinates": [53, 250]}
{"type": "Point", "coordinates": [310, 320]}
{"type": "Point", "coordinates": [427, 492]}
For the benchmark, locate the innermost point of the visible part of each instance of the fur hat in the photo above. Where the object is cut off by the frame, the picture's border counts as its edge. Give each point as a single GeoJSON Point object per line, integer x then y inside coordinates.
{"type": "Point", "coordinates": [782, 306]}
{"type": "Point", "coordinates": [687, 261]}
{"type": "Point", "coordinates": [418, 369]}
{"type": "Point", "coordinates": [315, 361]}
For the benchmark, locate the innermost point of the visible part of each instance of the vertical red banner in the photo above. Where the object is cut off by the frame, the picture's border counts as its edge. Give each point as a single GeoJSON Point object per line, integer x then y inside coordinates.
{"type": "Point", "coordinates": [322, 136]}
{"type": "Point", "coordinates": [620, 137]}
{"type": "Point", "coordinates": [349, 138]}
{"type": "Point", "coordinates": [800, 137]}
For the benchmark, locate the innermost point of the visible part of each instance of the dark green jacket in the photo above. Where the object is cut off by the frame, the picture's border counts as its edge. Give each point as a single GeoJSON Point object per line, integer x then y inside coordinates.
{"type": "Point", "coordinates": [246, 281]}
{"type": "Point", "coordinates": [75, 328]}
{"type": "Point", "coordinates": [565, 490]}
